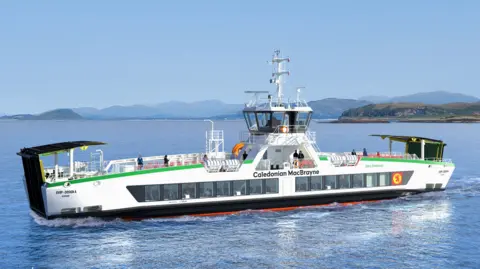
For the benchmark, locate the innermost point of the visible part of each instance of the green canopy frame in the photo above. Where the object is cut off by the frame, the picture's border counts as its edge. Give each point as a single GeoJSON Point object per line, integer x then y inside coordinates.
{"type": "Point", "coordinates": [425, 148]}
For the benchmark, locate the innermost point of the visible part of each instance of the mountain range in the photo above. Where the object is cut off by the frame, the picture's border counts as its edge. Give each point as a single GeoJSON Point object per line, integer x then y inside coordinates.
{"type": "Point", "coordinates": [428, 98]}
{"type": "Point", "coordinates": [215, 109]}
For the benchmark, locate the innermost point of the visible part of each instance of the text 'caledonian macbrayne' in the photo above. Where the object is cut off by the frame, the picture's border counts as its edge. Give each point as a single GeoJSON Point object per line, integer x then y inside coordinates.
{"type": "Point", "coordinates": [300, 172]}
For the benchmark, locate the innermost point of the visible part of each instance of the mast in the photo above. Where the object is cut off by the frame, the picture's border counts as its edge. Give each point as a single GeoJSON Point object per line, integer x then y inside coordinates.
{"type": "Point", "coordinates": [279, 71]}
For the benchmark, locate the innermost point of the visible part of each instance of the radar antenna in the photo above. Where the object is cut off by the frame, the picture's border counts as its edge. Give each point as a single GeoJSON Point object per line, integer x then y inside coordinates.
{"type": "Point", "coordinates": [278, 73]}
{"type": "Point", "coordinates": [298, 94]}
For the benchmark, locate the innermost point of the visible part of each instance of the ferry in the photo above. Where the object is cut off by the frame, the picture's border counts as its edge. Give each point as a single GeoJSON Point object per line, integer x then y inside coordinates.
{"type": "Point", "coordinates": [276, 165]}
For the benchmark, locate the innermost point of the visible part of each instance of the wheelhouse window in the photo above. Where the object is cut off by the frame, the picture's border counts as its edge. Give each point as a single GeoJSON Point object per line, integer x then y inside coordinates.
{"type": "Point", "coordinates": [303, 120]}
{"type": "Point", "coordinates": [277, 119]}
{"type": "Point", "coordinates": [250, 120]}
{"type": "Point", "coordinates": [264, 120]}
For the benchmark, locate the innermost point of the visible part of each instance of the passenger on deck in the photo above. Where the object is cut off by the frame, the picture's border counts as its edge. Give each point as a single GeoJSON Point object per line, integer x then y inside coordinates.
{"type": "Point", "coordinates": [205, 158]}
{"type": "Point", "coordinates": [300, 158]}
{"type": "Point", "coordinates": [245, 155]}
{"type": "Point", "coordinates": [365, 152]}
{"type": "Point", "coordinates": [140, 162]}
{"type": "Point", "coordinates": [353, 152]}
{"type": "Point", "coordinates": [378, 153]}
{"type": "Point", "coordinates": [165, 161]}
{"type": "Point", "coordinates": [295, 155]}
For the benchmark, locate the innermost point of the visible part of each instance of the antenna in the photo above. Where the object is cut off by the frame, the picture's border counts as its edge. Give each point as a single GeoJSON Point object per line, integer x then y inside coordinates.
{"type": "Point", "coordinates": [298, 94]}
{"type": "Point", "coordinates": [278, 72]}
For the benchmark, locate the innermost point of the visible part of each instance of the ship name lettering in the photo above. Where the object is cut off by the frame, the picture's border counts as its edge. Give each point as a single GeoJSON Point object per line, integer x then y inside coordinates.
{"type": "Point", "coordinates": [66, 192]}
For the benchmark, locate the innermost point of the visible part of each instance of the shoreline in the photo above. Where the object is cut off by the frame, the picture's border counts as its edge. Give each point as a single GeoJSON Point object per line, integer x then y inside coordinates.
{"type": "Point", "coordinates": [406, 120]}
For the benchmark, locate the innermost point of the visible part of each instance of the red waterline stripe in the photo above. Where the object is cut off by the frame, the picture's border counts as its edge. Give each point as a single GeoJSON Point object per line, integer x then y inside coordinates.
{"type": "Point", "coordinates": [278, 209]}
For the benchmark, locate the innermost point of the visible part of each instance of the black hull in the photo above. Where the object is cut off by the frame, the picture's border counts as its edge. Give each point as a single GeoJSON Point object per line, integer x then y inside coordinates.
{"type": "Point", "coordinates": [235, 206]}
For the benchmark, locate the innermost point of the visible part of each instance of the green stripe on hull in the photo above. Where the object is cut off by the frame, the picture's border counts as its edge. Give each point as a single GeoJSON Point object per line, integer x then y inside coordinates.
{"type": "Point", "coordinates": [135, 173]}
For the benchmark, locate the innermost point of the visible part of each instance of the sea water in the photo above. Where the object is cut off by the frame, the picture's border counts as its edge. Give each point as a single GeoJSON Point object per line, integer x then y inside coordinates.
{"type": "Point", "coordinates": [434, 230]}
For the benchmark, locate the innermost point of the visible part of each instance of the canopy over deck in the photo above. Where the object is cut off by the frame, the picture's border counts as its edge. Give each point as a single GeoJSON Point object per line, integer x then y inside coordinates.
{"type": "Point", "coordinates": [426, 148]}
{"type": "Point", "coordinates": [57, 147]}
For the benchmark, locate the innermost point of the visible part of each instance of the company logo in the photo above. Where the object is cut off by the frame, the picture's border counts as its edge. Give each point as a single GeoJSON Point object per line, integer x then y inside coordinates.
{"type": "Point", "coordinates": [397, 178]}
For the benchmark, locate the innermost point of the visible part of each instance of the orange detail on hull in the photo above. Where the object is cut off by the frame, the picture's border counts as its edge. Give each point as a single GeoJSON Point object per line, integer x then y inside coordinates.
{"type": "Point", "coordinates": [397, 178]}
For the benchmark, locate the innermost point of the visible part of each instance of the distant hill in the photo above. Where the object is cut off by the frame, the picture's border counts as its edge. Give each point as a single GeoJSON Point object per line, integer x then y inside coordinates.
{"type": "Point", "coordinates": [402, 110]}
{"type": "Point", "coordinates": [429, 98]}
{"type": "Point", "coordinates": [333, 107]}
{"type": "Point", "coordinates": [56, 114]}
{"type": "Point", "coordinates": [375, 99]}
{"type": "Point", "coordinates": [215, 109]}
{"type": "Point", "coordinates": [325, 108]}
{"type": "Point", "coordinates": [173, 109]}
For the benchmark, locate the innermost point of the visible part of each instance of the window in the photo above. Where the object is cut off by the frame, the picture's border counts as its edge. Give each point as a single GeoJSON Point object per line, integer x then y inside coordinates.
{"type": "Point", "coordinates": [251, 121]}
{"type": "Point", "coordinates": [277, 119]}
{"type": "Point", "coordinates": [301, 184]}
{"type": "Point", "coordinates": [223, 188]}
{"type": "Point", "coordinates": [343, 181]}
{"type": "Point", "coordinates": [316, 183]}
{"type": "Point", "coordinates": [302, 118]}
{"type": "Point", "coordinates": [206, 189]}
{"type": "Point", "coordinates": [188, 190]}
{"type": "Point", "coordinates": [371, 180]}
{"type": "Point", "coordinates": [152, 193]}
{"type": "Point", "coordinates": [170, 192]}
{"type": "Point", "coordinates": [239, 187]}
{"type": "Point", "coordinates": [330, 182]}
{"type": "Point", "coordinates": [264, 120]}
{"type": "Point", "coordinates": [255, 186]}
{"type": "Point", "coordinates": [271, 185]}
{"type": "Point", "coordinates": [357, 180]}
{"type": "Point", "coordinates": [384, 179]}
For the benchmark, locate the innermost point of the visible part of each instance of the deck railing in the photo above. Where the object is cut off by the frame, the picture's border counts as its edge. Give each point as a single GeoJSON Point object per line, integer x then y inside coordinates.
{"type": "Point", "coordinates": [265, 165]}
{"type": "Point", "coordinates": [223, 162]}
{"type": "Point", "coordinates": [347, 159]}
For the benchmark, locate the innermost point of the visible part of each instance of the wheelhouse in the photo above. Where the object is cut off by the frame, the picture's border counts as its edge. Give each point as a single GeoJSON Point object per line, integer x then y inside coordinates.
{"type": "Point", "coordinates": [283, 120]}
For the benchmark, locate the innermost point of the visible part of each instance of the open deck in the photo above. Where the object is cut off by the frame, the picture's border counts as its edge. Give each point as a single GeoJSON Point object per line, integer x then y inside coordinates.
{"type": "Point", "coordinates": [98, 167]}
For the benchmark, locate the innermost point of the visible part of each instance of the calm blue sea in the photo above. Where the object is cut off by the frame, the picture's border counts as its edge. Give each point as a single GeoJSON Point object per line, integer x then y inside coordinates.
{"type": "Point", "coordinates": [438, 230]}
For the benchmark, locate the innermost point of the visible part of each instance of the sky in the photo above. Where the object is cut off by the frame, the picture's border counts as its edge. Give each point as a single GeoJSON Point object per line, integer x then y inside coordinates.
{"type": "Point", "coordinates": [66, 54]}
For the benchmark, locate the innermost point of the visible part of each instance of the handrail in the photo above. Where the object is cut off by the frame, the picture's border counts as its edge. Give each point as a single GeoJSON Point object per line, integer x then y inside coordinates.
{"type": "Point", "coordinates": [385, 155]}
{"type": "Point", "coordinates": [264, 102]}
{"type": "Point", "coordinates": [287, 129]}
